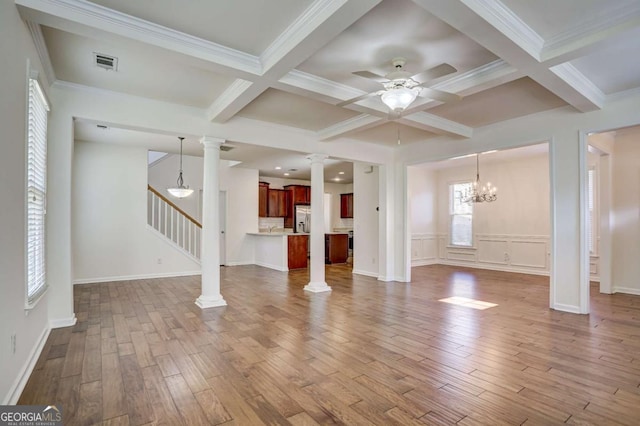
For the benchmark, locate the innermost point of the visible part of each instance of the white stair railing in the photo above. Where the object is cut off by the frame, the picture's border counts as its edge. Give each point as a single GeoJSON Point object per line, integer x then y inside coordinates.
{"type": "Point", "coordinates": [172, 222]}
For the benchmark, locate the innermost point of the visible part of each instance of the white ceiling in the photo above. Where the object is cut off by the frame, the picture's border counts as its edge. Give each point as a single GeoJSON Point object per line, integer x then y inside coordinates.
{"type": "Point", "coordinates": [289, 62]}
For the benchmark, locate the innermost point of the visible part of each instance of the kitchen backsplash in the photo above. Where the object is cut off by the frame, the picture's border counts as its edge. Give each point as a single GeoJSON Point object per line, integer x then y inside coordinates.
{"type": "Point", "coordinates": [270, 222]}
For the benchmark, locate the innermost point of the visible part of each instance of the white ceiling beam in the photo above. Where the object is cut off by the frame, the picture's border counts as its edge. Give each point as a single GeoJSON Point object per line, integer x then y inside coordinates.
{"type": "Point", "coordinates": [436, 124]}
{"type": "Point", "coordinates": [234, 98]}
{"type": "Point", "coordinates": [495, 27]}
{"type": "Point", "coordinates": [357, 123]}
{"type": "Point", "coordinates": [319, 24]}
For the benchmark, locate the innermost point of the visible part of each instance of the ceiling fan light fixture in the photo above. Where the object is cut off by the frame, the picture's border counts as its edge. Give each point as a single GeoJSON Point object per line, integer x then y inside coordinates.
{"type": "Point", "coordinates": [399, 98]}
{"type": "Point", "coordinates": [180, 190]}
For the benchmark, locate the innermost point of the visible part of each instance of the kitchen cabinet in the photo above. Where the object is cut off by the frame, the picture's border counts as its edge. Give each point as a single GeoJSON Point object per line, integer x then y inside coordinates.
{"type": "Point", "coordinates": [277, 203]}
{"type": "Point", "coordinates": [346, 205]}
{"type": "Point", "coordinates": [336, 248]}
{"type": "Point", "coordinates": [297, 246]}
{"type": "Point", "coordinates": [296, 194]}
{"type": "Point", "coordinates": [263, 190]}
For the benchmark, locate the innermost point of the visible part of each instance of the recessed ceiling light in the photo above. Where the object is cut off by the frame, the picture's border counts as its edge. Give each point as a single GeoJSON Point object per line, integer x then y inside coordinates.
{"type": "Point", "coordinates": [340, 173]}
{"type": "Point", "coordinates": [286, 174]}
{"type": "Point", "coordinates": [278, 167]}
{"type": "Point", "coordinates": [337, 179]}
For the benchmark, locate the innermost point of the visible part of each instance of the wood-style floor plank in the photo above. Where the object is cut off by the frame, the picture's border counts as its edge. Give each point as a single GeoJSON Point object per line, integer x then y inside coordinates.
{"type": "Point", "coordinates": [369, 352]}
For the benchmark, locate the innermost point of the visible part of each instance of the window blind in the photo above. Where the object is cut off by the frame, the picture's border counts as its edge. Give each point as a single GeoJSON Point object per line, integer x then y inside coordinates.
{"type": "Point", "coordinates": [36, 191]}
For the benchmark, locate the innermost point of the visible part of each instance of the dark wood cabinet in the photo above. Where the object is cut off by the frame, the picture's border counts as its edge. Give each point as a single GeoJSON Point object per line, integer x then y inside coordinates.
{"type": "Point", "coordinates": [296, 194]}
{"type": "Point", "coordinates": [297, 251]}
{"type": "Point", "coordinates": [336, 248]}
{"type": "Point", "coordinates": [346, 205]}
{"type": "Point", "coordinates": [277, 203]}
{"type": "Point", "coordinates": [263, 190]}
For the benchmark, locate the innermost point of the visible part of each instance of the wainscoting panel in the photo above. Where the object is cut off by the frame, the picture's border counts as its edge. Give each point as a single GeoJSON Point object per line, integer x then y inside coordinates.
{"type": "Point", "coordinates": [424, 249]}
{"type": "Point", "coordinates": [529, 253]}
{"type": "Point", "coordinates": [493, 250]}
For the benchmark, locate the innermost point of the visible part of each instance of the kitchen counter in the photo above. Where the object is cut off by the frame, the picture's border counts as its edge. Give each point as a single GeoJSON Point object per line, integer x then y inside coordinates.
{"type": "Point", "coordinates": [280, 250]}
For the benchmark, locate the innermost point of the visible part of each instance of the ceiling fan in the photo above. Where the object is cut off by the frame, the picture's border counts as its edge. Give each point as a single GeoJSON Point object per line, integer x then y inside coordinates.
{"type": "Point", "coordinates": [401, 88]}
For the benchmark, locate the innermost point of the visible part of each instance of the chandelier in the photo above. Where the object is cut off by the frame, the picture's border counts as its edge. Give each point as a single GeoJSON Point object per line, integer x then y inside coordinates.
{"type": "Point", "coordinates": [478, 193]}
{"type": "Point", "coordinates": [180, 191]}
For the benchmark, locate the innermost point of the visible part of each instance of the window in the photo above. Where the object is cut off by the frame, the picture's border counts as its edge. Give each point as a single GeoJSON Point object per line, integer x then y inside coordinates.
{"type": "Point", "coordinates": [461, 215]}
{"type": "Point", "coordinates": [36, 192]}
{"type": "Point", "coordinates": [592, 225]}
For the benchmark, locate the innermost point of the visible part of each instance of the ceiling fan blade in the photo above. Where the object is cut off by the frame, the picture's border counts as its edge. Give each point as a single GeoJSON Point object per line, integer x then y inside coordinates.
{"type": "Point", "coordinates": [372, 76]}
{"type": "Point", "coordinates": [359, 98]}
{"type": "Point", "coordinates": [433, 73]}
{"type": "Point", "coordinates": [438, 95]}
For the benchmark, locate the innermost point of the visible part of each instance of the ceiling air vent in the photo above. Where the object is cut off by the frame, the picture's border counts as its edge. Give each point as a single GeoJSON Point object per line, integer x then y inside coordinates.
{"type": "Point", "coordinates": [105, 61]}
{"type": "Point", "coordinates": [226, 148]}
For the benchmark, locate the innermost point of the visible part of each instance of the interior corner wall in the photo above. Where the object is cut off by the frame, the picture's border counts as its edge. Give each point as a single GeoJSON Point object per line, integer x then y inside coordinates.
{"type": "Point", "coordinates": [625, 232]}
{"type": "Point", "coordinates": [423, 214]}
{"type": "Point", "coordinates": [111, 238]}
{"type": "Point", "coordinates": [366, 217]}
{"type": "Point", "coordinates": [241, 186]}
{"type": "Point", "coordinates": [30, 330]}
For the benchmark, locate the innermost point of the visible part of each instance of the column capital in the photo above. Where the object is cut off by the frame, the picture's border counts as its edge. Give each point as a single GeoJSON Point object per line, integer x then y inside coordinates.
{"type": "Point", "coordinates": [211, 142]}
{"type": "Point", "coordinates": [317, 158]}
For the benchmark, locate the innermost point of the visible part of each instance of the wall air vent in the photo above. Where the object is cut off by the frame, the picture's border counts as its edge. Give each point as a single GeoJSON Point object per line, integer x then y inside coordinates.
{"type": "Point", "coordinates": [105, 61]}
{"type": "Point", "coordinates": [226, 148]}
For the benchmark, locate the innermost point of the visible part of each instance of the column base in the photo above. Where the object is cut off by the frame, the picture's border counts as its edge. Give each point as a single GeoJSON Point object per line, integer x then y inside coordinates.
{"type": "Point", "coordinates": [205, 302]}
{"type": "Point", "coordinates": [317, 287]}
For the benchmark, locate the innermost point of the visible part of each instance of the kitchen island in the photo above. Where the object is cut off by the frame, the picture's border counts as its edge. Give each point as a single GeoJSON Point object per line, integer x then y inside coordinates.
{"type": "Point", "coordinates": [281, 251]}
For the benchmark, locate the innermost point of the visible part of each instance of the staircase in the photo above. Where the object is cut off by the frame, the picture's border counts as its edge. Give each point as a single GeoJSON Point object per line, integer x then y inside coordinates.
{"type": "Point", "coordinates": [173, 223]}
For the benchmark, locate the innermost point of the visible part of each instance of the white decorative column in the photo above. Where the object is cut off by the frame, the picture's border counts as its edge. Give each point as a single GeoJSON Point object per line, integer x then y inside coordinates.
{"type": "Point", "coordinates": [210, 252]}
{"type": "Point", "coordinates": [316, 275]}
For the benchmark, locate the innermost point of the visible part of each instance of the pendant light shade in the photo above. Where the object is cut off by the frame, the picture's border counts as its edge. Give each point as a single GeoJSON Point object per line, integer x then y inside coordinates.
{"type": "Point", "coordinates": [180, 190]}
{"type": "Point", "coordinates": [398, 98]}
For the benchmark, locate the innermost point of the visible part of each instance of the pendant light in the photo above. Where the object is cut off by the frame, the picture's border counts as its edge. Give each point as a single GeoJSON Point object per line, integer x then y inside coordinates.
{"type": "Point", "coordinates": [180, 191]}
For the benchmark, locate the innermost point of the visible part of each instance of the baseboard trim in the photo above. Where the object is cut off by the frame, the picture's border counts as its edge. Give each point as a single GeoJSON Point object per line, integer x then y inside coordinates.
{"type": "Point", "coordinates": [63, 322]}
{"type": "Point", "coordinates": [423, 262]}
{"type": "Point", "coordinates": [270, 266]}
{"type": "Point", "coordinates": [572, 309]}
{"type": "Point", "coordinates": [241, 263]}
{"type": "Point", "coordinates": [365, 273]}
{"type": "Point", "coordinates": [493, 268]}
{"type": "Point", "coordinates": [385, 278]}
{"type": "Point", "coordinates": [627, 290]}
{"type": "Point", "coordinates": [25, 372]}
{"type": "Point", "coordinates": [135, 277]}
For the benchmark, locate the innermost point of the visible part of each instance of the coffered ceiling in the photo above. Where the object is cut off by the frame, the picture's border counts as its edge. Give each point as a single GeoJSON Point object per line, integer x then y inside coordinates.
{"type": "Point", "coordinates": [290, 62]}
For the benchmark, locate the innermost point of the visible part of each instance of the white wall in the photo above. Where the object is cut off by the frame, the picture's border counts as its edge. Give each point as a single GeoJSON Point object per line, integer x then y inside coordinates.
{"type": "Point", "coordinates": [241, 186]}
{"type": "Point", "coordinates": [626, 212]}
{"type": "Point", "coordinates": [423, 208]}
{"type": "Point", "coordinates": [30, 330]}
{"type": "Point", "coordinates": [511, 233]}
{"type": "Point", "coordinates": [111, 240]}
{"type": "Point", "coordinates": [366, 219]}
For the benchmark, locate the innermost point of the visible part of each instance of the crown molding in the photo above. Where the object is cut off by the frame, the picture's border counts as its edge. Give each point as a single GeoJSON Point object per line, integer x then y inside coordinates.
{"type": "Point", "coordinates": [616, 20]}
{"type": "Point", "coordinates": [497, 70]}
{"type": "Point", "coordinates": [322, 86]}
{"type": "Point", "coordinates": [231, 93]}
{"type": "Point", "coordinates": [359, 122]}
{"type": "Point", "coordinates": [508, 23]}
{"type": "Point", "coordinates": [43, 52]}
{"type": "Point", "coordinates": [436, 124]}
{"type": "Point", "coordinates": [93, 15]}
{"type": "Point", "coordinates": [309, 20]}
{"type": "Point", "coordinates": [585, 87]}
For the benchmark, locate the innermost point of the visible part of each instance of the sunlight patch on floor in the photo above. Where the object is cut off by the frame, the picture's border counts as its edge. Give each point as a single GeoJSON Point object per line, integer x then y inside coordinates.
{"type": "Point", "coordinates": [469, 303]}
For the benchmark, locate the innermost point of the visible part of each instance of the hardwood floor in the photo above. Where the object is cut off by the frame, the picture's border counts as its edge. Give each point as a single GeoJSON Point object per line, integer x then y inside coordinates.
{"type": "Point", "coordinates": [367, 353]}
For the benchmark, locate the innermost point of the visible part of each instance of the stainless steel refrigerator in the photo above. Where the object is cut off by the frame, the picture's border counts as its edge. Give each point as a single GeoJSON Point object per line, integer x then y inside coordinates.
{"type": "Point", "coordinates": [302, 218]}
